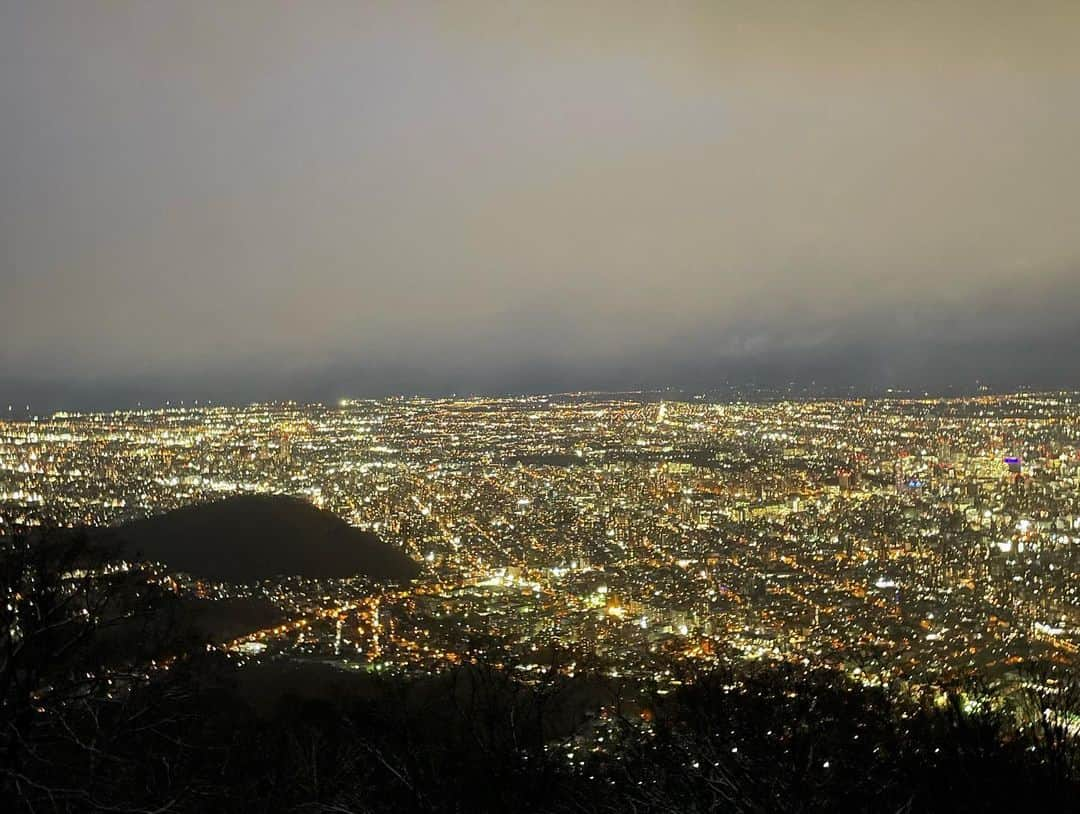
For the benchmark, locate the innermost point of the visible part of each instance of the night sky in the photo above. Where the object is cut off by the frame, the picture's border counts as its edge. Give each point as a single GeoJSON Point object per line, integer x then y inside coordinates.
{"type": "Point", "coordinates": [258, 200]}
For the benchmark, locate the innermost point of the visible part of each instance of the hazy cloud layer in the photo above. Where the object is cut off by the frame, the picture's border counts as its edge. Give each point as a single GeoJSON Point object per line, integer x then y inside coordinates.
{"type": "Point", "coordinates": [250, 200]}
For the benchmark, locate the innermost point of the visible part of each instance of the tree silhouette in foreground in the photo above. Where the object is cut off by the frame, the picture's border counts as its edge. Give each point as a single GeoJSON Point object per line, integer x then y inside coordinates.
{"type": "Point", "coordinates": [104, 708]}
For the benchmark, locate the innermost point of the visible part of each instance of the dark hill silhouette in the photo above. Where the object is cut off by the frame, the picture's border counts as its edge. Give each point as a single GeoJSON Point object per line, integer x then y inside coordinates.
{"type": "Point", "coordinates": [252, 537]}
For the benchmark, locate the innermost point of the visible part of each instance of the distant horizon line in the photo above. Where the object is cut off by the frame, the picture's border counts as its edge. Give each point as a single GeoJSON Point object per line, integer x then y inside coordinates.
{"type": "Point", "coordinates": [734, 393]}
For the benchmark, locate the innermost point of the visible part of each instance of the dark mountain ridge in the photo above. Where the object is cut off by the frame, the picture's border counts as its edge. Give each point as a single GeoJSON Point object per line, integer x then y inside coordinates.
{"type": "Point", "coordinates": [253, 537]}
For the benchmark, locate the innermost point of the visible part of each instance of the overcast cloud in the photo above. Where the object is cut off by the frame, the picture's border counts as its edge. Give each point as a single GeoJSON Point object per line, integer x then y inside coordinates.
{"type": "Point", "coordinates": [252, 199]}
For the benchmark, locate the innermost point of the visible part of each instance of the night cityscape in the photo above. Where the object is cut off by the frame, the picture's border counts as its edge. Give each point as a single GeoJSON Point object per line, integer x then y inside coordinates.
{"type": "Point", "coordinates": [915, 545]}
{"type": "Point", "coordinates": [908, 542]}
{"type": "Point", "coordinates": [555, 408]}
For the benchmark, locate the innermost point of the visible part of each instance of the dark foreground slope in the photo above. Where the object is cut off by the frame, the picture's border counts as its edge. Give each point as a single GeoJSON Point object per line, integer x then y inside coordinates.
{"type": "Point", "coordinates": [252, 537]}
{"type": "Point", "coordinates": [89, 728]}
{"type": "Point", "coordinates": [206, 738]}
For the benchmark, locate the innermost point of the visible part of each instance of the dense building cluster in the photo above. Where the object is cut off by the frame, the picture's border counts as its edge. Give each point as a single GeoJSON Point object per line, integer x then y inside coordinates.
{"type": "Point", "coordinates": [908, 542]}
